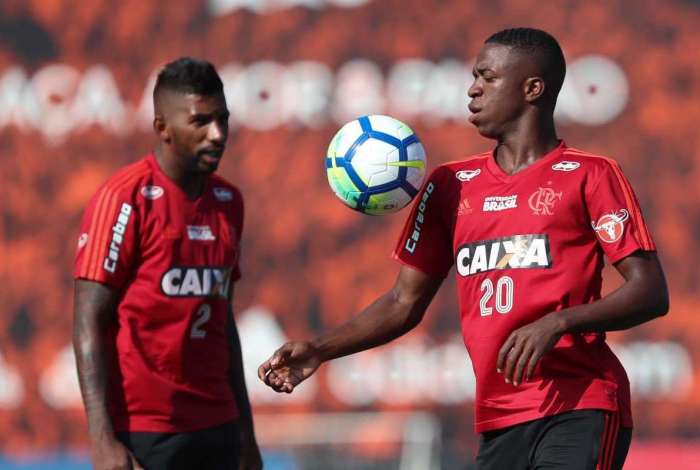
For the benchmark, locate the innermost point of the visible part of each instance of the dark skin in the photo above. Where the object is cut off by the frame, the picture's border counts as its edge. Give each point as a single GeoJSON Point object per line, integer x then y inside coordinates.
{"type": "Point", "coordinates": [510, 103]}
{"type": "Point", "coordinates": [192, 130]}
{"type": "Point", "coordinates": [94, 311]}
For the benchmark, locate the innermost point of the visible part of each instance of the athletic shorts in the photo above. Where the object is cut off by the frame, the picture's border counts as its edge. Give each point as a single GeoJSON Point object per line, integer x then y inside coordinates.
{"type": "Point", "coordinates": [215, 448]}
{"type": "Point", "coordinates": [576, 440]}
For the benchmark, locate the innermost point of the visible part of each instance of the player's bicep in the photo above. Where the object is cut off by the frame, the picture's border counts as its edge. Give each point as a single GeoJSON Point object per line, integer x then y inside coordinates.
{"type": "Point", "coordinates": [645, 267]}
{"type": "Point", "coordinates": [415, 288]}
{"type": "Point", "coordinates": [645, 284]}
{"type": "Point", "coordinates": [94, 304]}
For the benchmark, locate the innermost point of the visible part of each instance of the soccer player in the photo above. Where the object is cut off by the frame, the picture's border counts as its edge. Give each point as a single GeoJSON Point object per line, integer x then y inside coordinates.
{"type": "Point", "coordinates": [526, 226]}
{"type": "Point", "coordinates": [157, 349]}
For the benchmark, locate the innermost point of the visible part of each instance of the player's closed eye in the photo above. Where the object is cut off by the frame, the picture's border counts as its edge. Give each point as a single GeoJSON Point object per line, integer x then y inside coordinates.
{"type": "Point", "coordinates": [201, 119]}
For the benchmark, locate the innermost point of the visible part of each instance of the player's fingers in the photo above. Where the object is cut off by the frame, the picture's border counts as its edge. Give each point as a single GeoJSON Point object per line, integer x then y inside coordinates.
{"type": "Point", "coordinates": [512, 358]}
{"type": "Point", "coordinates": [281, 355]}
{"type": "Point", "coordinates": [503, 353]}
{"type": "Point", "coordinates": [523, 360]}
{"type": "Point", "coordinates": [280, 388]}
{"type": "Point", "coordinates": [270, 378]}
{"type": "Point", "coordinates": [274, 378]}
{"type": "Point", "coordinates": [263, 370]}
{"type": "Point", "coordinates": [275, 382]}
{"type": "Point", "coordinates": [534, 360]}
{"type": "Point", "coordinates": [278, 378]}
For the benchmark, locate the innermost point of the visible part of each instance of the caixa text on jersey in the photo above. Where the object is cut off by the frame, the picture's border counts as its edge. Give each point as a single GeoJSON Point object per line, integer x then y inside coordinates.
{"type": "Point", "coordinates": [196, 281]}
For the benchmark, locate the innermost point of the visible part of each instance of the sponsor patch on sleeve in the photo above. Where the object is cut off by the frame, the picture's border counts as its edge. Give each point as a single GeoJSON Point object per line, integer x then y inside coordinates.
{"type": "Point", "coordinates": [610, 227]}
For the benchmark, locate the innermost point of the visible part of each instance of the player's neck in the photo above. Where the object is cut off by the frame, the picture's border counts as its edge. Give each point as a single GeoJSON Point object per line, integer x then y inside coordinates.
{"type": "Point", "coordinates": [525, 145]}
{"type": "Point", "coordinates": [191, 184]}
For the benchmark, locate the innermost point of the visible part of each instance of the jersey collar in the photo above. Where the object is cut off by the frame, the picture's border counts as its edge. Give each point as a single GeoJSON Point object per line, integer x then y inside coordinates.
{"type": "Point", "coordinates": [171, 185]}
{"type": "Point", "coordinates": [498, 172]}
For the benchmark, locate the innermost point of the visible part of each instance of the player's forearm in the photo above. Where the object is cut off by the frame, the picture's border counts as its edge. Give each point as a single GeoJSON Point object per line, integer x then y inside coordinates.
{"type": "Point", "coordinates": [637, 301]}
{"type": "Point", "coordinates": [389, 317]}
{"type": "Point", "coordinates": [90, 358]}
{"type": "Point", "coordinates": [90, 353]}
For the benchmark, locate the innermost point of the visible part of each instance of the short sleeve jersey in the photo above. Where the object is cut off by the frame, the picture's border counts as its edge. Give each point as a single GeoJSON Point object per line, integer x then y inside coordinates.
{"type": "Point", "coordinates": [173, 261]}
{"type": "Point", "coordinates": [525, 245]}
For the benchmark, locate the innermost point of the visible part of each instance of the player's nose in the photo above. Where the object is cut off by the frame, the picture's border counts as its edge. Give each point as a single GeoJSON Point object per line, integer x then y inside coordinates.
{"type": "Point", "coordinates": [217, 132]}
{"type": "Point", "coordinates": [474, 89]}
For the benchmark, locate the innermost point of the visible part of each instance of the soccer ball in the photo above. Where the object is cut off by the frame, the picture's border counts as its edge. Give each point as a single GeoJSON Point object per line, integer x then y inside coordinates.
{"type": "Point", "coordinates": [375, 164]}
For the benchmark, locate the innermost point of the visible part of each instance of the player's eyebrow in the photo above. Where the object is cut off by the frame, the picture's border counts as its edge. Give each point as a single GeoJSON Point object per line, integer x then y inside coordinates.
{"type": "Point", "coordinates": [202, 117]}
{"type": "Point", "coordinates": [481, 69]}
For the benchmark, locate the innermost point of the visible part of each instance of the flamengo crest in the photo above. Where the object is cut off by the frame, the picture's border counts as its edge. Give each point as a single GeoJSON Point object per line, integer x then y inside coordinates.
{"type": "Point", "coordinates": [542, 201]}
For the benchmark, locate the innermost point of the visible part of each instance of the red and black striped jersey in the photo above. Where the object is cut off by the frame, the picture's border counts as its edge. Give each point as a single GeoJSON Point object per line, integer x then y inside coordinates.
{"type": "Point", "coordinates": [174, 261]}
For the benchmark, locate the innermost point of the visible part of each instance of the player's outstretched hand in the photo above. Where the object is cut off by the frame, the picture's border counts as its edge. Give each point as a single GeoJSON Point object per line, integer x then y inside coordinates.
{"type": "Point", "coordinates": [289, 366]}
{"type": "Point", "coordinates": [525, 346]}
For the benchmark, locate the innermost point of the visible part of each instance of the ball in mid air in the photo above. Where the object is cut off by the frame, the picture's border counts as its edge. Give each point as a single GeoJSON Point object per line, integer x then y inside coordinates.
{"type": "Point", "coordinates": [375, 164]}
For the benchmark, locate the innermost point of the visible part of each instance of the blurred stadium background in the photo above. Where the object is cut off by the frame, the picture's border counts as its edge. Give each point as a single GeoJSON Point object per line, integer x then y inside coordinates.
{"type": "Point", "coordinates": [75, 83]}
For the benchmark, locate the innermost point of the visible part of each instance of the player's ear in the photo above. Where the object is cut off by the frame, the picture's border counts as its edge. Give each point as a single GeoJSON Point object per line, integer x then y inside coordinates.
{"type": "Point", "coordinates": [533, 89]}
{"type": "Point", "coordinates": [161, 128]}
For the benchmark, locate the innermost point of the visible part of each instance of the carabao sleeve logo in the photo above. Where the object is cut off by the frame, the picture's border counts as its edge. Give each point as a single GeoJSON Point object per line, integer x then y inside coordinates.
{"type": "Point", "coordinates": [610, 227]}
{"type": "Point", "coordinates": [117, 239]}
{"type": "Point", "coordinates": [414, 238]}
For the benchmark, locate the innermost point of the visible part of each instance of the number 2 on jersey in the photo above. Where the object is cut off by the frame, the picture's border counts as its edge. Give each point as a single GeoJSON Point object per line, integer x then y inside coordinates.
{"type": "Point", "coordinates": [504, 295]}
{"type": "Point", "coordinates": [203, 314]}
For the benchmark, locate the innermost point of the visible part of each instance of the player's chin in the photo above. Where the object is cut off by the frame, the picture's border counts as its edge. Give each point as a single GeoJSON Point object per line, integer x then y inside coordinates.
{"type": "Point", "coordinates": [485, 129]}
{"type": "Point", "coordinates": [207, 166]}
{"type": "Point", "coordinates": [477, 121]}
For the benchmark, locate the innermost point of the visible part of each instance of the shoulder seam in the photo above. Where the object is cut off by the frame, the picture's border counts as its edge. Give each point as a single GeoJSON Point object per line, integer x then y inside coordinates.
{"type": "Point", "coordinates": [580, 153]}
{"type": "Point", "coordinates": [468, 159]}
{"type": "Point", "coordinates": [122, 177]}
{"type": "Point", "coordinates": [105, 205]}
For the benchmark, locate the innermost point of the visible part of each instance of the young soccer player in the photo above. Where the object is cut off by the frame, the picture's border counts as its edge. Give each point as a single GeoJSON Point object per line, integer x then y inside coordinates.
{"type": "Point", "coordinates": [526, 227]}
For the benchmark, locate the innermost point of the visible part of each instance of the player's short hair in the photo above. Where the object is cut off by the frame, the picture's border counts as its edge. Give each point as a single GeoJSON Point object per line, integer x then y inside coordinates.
{"type": "Point", "coordinates": [540, 45]}
{"type": "Point", "coordinates": [187, 75]}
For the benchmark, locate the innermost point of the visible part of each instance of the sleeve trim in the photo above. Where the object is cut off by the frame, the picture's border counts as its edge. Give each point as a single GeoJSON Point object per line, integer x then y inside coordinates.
{"type": "Point", "coordinates": [627, 252]}
{"type": "Point", "coordinates": [422, 269]}
{"type": "Point", "coordinates": [99, 226]}
{"type": "Point", "coordinates": [644, 240]}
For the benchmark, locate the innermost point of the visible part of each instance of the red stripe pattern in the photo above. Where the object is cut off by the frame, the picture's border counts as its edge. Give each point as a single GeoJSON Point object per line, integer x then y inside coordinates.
{"type": "Point", "coordinates": [608, 441]}
{"type": "Point", "coordinates": [642, 232]}
{"type": "Point", "coordinates": [104, 214]}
